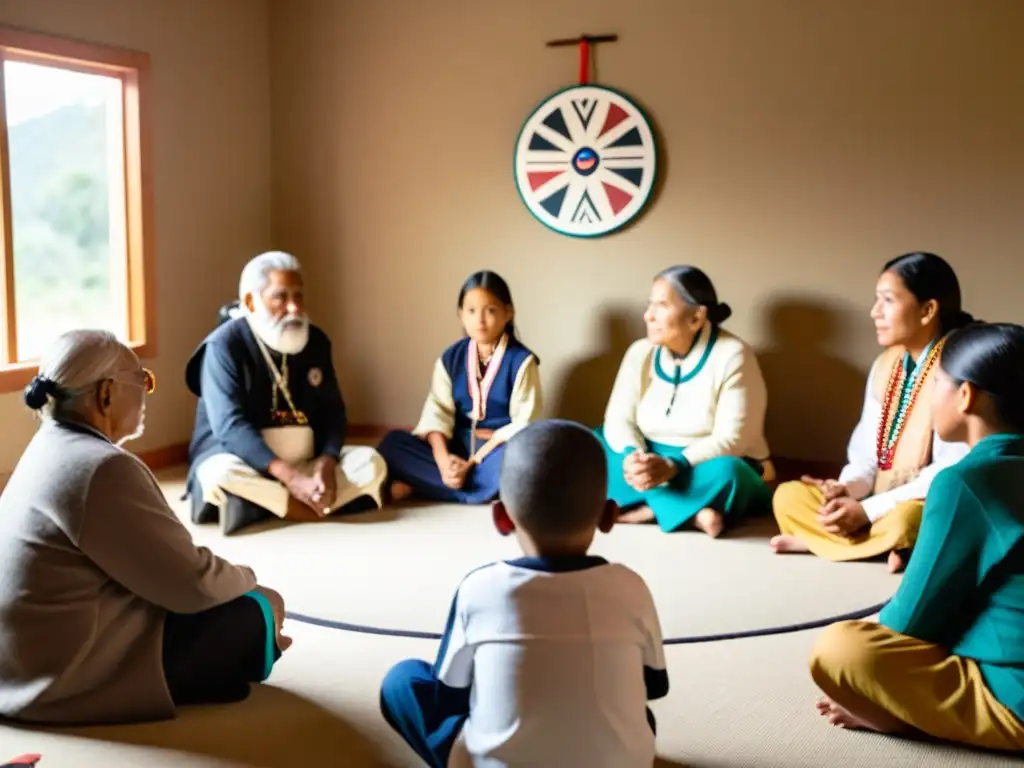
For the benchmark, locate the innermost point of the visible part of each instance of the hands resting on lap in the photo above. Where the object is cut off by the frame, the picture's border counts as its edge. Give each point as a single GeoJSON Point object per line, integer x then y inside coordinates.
{"type": "Point", "coordinates": [643, 471]}
{"type": "Point", "coordinates": [454, 470]}
{"type": "Point", "coordinates": [317, 490]}
{"type": "Point", "coordinates": [841, 514]}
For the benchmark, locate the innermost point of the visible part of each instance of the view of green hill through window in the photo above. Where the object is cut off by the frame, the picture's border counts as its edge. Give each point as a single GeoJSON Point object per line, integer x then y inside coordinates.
{"type": "Point", "coordinates": [65, 137]}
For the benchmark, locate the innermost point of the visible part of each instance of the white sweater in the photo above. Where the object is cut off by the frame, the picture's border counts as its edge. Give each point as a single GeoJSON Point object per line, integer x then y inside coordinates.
{"type": "Point", "coordinates": [717, 408]}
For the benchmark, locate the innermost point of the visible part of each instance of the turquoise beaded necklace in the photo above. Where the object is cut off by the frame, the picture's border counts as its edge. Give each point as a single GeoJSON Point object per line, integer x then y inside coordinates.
{"type": "Point", "coordinates": [912, 370]}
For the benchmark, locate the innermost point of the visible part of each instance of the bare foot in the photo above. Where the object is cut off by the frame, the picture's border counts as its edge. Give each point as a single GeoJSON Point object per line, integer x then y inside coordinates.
{"type": "Point", "coordinates": [711, 522]}
{"type": "Point", "coordinates": [896, 562]}
{"type": "Point", "coordinates": [400, 491]}
{"type": "Point", "coordinates": [784, 544]}
{"type": "Point", "coordinates": [637, 516]}
{"type": "Point", "coordinates": [839, 717]}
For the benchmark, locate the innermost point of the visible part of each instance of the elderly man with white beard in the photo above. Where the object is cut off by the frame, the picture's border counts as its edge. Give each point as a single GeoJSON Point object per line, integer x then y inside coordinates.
{"type": "Point", "coordinates": [269, 437]}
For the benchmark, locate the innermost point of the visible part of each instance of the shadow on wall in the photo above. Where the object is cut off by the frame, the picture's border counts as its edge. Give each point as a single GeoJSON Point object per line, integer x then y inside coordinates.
{"type": "Point", "coordinates": [814, 396]}
{"type": "Point", "coordinates": [585, 389]}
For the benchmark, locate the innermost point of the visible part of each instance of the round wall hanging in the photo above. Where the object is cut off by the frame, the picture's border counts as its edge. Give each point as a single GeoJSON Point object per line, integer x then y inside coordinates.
{"type": "Point", "coordinates": [585, 160]}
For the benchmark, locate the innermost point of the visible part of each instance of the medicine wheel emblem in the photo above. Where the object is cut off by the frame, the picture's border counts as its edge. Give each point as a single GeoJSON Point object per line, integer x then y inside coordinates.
{"type": "Point", "coordinates": [585, 161]}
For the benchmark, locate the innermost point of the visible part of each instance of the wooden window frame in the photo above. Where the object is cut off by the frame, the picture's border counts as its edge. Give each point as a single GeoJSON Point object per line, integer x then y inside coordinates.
{"type": "Point", "coordinates": [132, 68]}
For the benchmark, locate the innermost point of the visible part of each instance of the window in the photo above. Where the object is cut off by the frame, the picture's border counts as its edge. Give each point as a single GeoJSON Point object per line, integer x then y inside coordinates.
{"type": "Point", "coordinates": [75, 197]}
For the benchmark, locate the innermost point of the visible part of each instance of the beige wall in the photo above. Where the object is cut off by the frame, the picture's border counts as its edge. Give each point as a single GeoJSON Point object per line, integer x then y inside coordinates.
{"type": "Point", "coordinates": [805, 142]}
{"type": "Point", "coordinates": [211, 166]}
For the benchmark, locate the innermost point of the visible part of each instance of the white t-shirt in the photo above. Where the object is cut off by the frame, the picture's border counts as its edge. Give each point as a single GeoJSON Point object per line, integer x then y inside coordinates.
{"type": "Point", "coordinates": [561, 656]}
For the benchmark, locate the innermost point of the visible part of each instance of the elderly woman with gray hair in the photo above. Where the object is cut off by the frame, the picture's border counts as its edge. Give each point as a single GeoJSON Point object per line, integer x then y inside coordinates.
{"type": "Point", "coordinates": [684, 426]}
{"type": "Point", "coordinates": [108, 611]}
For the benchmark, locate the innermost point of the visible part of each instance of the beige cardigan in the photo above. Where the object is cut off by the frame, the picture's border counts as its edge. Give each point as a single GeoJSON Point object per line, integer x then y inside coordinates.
{"type": "Point", "coordinates": [91, 560]}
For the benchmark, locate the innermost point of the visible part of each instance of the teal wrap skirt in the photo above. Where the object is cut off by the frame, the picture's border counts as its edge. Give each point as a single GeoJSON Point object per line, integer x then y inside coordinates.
{"type": "Point", "coordinates": [727, 484]}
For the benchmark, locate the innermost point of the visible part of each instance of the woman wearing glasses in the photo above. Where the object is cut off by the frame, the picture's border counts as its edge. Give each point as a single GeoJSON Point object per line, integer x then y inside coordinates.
{"type": "Point", "coordinates": [108, 611]}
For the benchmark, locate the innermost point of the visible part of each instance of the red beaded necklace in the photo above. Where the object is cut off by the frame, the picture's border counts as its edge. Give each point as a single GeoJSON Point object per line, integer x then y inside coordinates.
{"type": "Point", "coordinates": [896, 407]}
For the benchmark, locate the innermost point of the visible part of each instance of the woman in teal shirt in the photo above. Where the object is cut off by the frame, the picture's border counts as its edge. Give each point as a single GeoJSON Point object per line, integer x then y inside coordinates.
{"type": "Point", "coordinates": [947, 656]}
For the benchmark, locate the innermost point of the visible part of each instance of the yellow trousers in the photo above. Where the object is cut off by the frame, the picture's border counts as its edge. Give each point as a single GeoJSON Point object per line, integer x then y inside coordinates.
{"type": "Point", "coordinates": [890, 678]}
{"type": "Point", "coordinates": [796, 506]}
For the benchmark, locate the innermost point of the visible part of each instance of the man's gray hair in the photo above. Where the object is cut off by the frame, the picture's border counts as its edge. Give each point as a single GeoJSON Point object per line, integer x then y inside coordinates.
{"type": "Point", "coordinates": [76, 362]}
{"type": "Point", "coordinates": [256, 273]}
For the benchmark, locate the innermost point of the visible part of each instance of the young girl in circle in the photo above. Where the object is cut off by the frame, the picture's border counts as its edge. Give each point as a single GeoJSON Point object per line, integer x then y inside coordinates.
{"type": "Point", "coordinates": [484, 389]}
{"type": "Point", "coordinates": [946, 657]}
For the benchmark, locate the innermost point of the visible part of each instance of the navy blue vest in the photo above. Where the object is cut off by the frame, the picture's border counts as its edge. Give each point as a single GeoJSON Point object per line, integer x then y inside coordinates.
{"type": "Point", "coordinates": [498, 399]}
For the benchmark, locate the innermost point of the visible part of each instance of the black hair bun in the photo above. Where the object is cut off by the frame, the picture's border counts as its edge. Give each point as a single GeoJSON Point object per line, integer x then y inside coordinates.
{"type": "Point", "coordinates": [958, 320]}
{"type": "Point", "coordinates": [720, 313]}
{"type": "Point", "coordinates": [38, 392]}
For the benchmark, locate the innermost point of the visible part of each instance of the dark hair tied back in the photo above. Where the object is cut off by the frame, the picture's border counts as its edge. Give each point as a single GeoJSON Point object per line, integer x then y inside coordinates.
{"type": "Point", "coordinates": [991, 357]}
{"type": "Point", "coordinates": [38, 392]}
{"type": "Point", "coordinates": [930, 278]}
{"type": "Point", "coordinates": [960, 319]}
{"type": "Point", "coordinates": [719, 313]}
{"type": "Point", "coordinates": [695, 288]}
{"type": "Point", "coordinates": [495, 285]}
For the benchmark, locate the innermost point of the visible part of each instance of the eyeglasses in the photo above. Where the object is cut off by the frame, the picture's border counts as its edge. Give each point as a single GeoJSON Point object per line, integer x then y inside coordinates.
{"type": "Point", "coordinates": [144, 378]}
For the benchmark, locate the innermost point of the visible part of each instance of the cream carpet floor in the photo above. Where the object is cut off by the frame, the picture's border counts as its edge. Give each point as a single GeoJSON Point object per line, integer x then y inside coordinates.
{"type": "Point", "coordinates": [409, 561]}
{"type": "Point", "coordinates": [745, 702]}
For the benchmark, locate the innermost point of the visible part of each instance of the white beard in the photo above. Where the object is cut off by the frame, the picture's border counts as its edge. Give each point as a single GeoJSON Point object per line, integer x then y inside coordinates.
{"type": "Point", "coordinates": [287, 335]}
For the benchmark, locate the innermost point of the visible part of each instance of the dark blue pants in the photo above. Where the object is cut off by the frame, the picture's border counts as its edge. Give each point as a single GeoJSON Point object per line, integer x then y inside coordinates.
{"type": "Point", "coordinates": [426, 713]}
{"type": "Point", "coordinates": [410, 460]}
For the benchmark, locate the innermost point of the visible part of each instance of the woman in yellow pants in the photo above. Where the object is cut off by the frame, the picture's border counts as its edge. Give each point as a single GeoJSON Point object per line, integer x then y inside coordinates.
{"type": "Point", "coordinates": [874, 507]}
{"type": "Point", "coordinates": [947, 656]}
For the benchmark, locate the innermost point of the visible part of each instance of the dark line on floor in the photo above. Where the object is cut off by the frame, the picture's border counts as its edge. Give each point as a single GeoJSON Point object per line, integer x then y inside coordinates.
{"type": "Point", "coordinates": [747, 633]}
{"type": "Point", "coordinates": [785, 629]}
{"type": "Point", "coordinates": [346, 627]}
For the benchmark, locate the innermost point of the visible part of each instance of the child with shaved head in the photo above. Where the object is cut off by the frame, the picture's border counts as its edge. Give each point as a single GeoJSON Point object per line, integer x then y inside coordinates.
{"type": "Point", "coordinates": [547, 659]}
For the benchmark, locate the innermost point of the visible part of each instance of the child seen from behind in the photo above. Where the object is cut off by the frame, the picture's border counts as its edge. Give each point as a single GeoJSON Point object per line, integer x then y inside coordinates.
{"type": "Point", "coordinates": [547, 659]}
